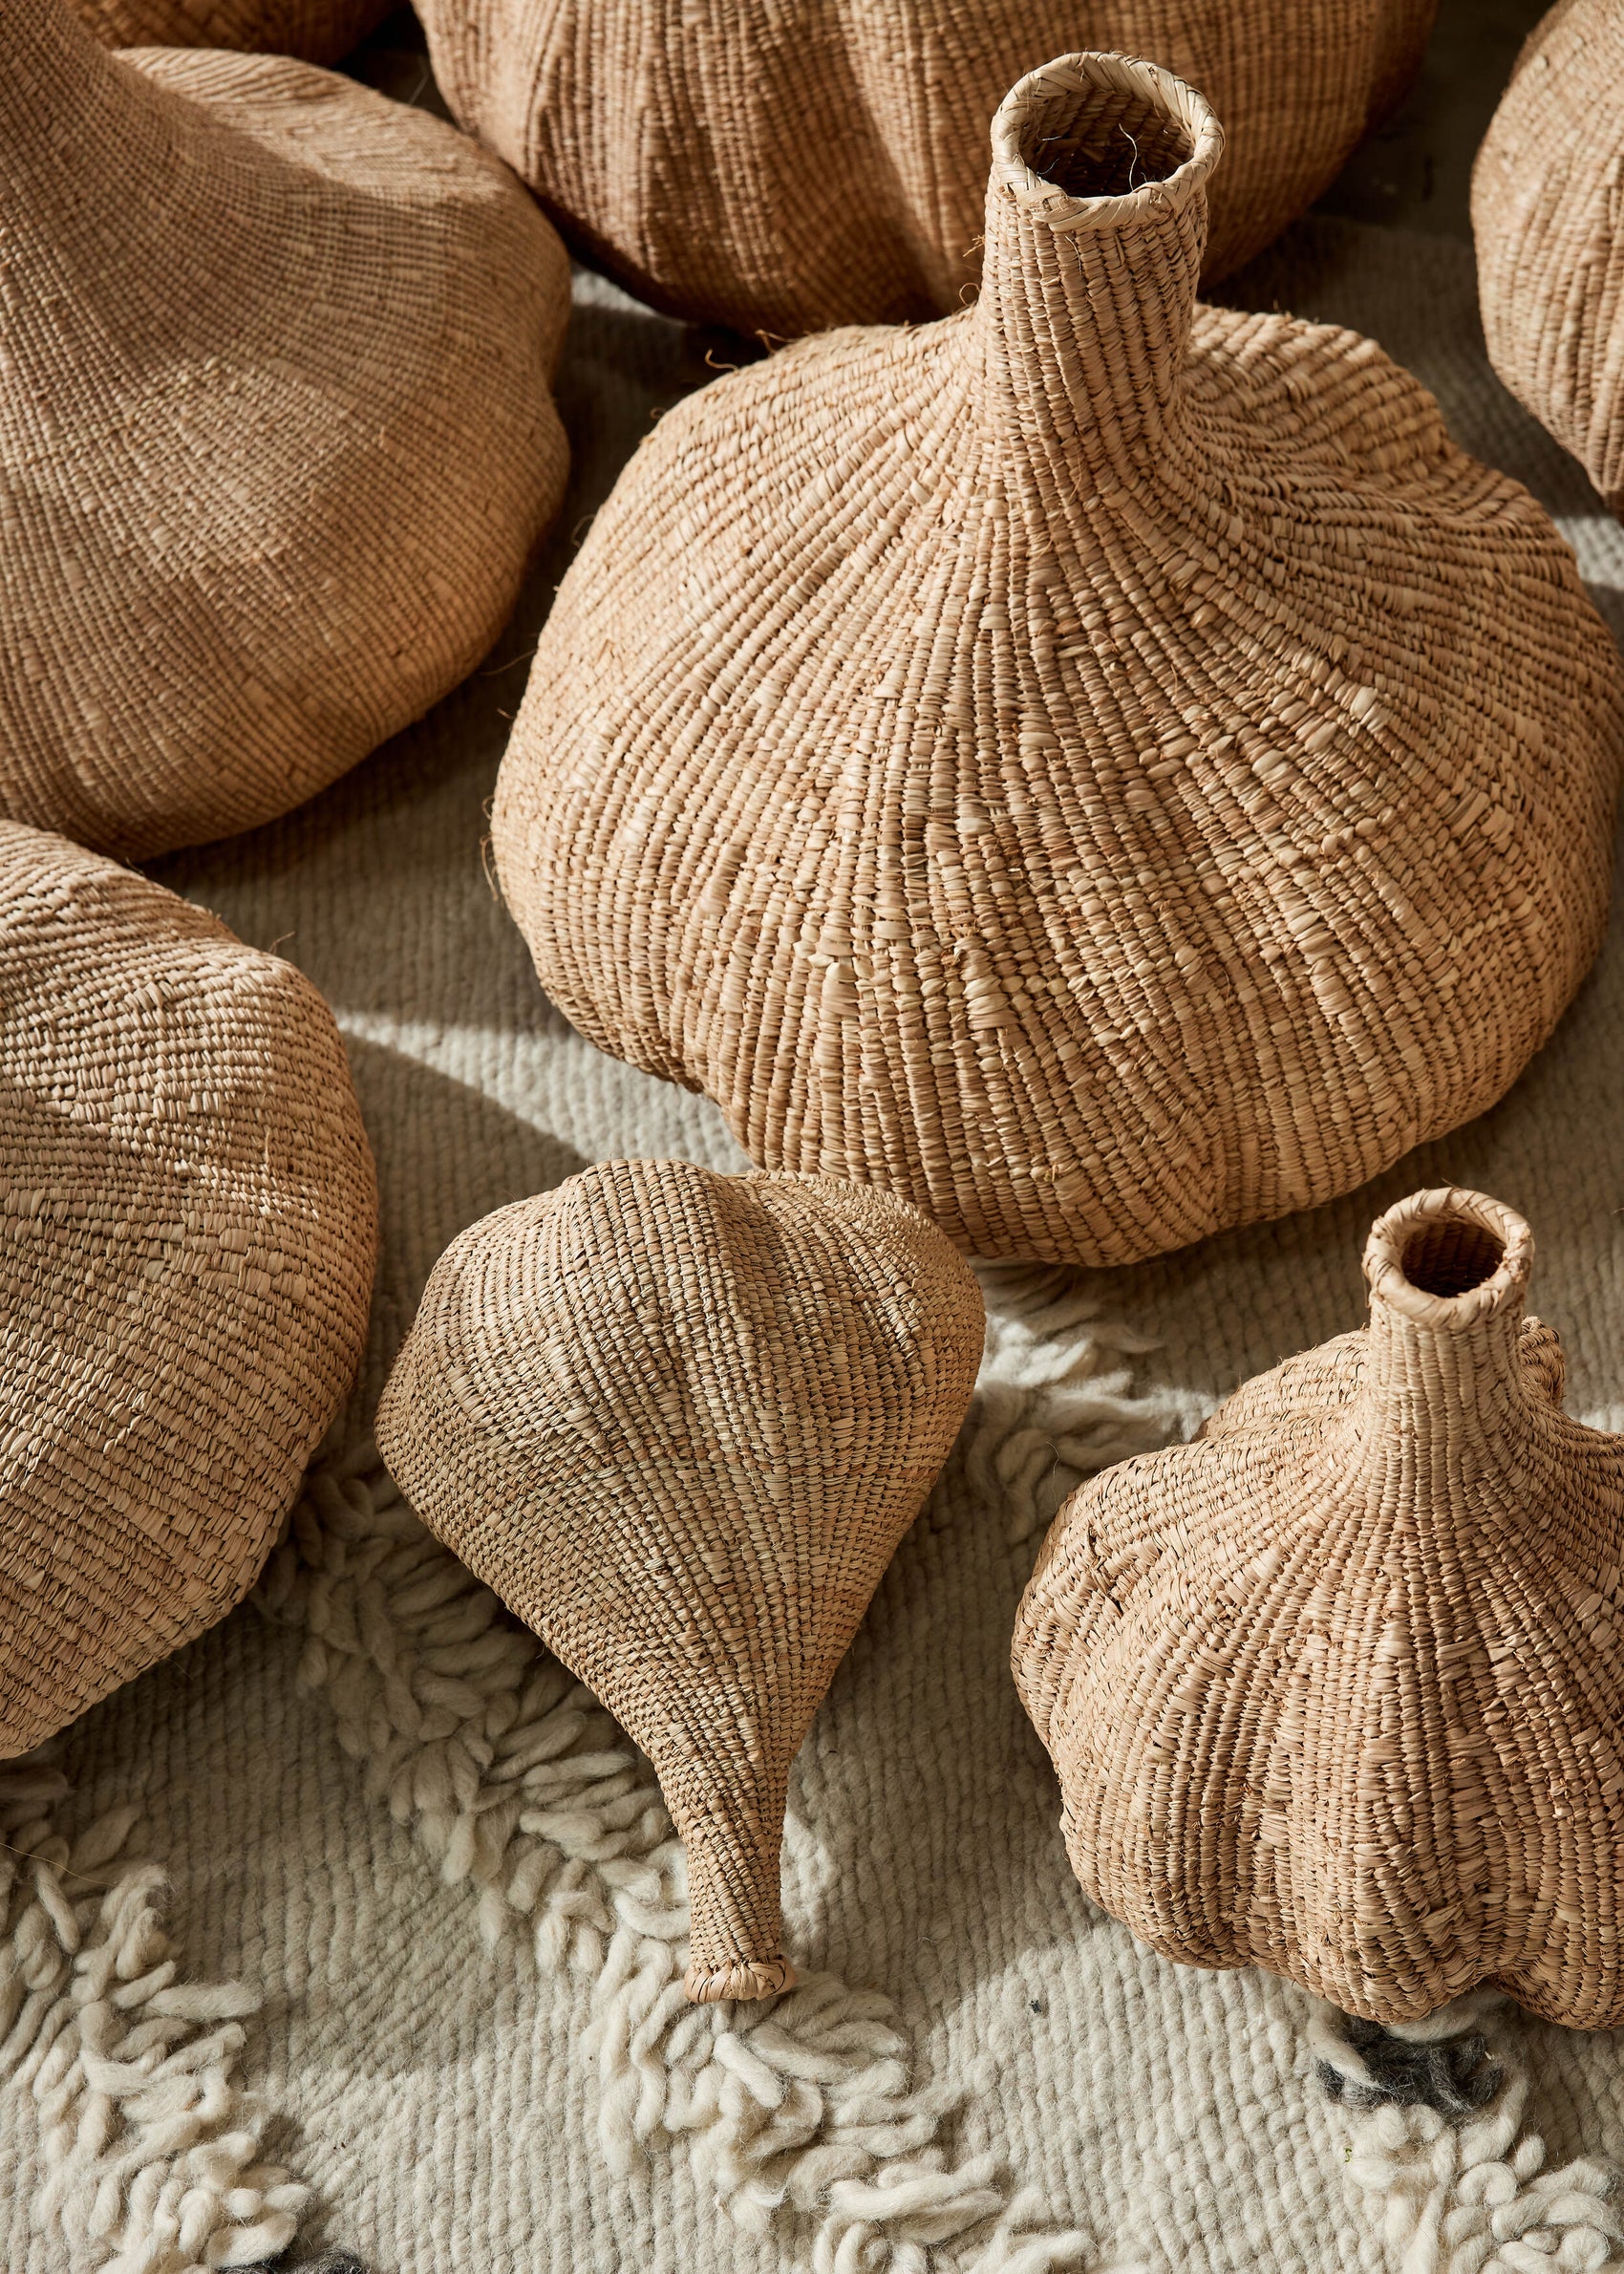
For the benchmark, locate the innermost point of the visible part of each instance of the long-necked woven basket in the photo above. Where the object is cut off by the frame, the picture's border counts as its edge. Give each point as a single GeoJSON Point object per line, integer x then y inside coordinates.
{"type": "Point", "coordinates": [275, 435]}
{"type": "Point", "coordinates": [315, 30]}
{"type": "Point", "coordinates": [821, 162]}
{"type": "Point", "coordinates": [1338, 1689]}
{"type": "Point", "coordinates": [1106, 768]}
{"type": "Point", "coordinates": [680, 1423]}
{"type": "Point", "coordinates": [188, 1218]}
{"type": "Point", "coordinates": [1547, 213]}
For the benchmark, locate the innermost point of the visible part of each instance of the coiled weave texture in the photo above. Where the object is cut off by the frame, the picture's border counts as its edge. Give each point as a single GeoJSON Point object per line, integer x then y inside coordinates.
{"type": "Point", "coordinates": [799, 163]}
{"type": "Point", "coordinates": [1548, 214]}
{"type": "Point", "coordinates": [680, 1423]}
{"type": "Point", "coordinates": [276, 439]}
{"type": "Point", "coordinates": [1102, 767]}
{"type": "Point", "coordinates": [1335, 1689]}
{"type": "Point", "coordinates": [188, 1231]}
{"type": "Point", "coordinates": [315, 30]}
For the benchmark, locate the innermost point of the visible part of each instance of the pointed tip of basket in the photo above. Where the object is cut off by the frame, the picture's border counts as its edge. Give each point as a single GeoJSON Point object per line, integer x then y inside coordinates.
{"type": "Point", "coordinates": [746, 1977]}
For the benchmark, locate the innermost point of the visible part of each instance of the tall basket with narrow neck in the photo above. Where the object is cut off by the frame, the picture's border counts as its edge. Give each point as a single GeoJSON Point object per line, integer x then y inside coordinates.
{"type": "Point", "coordinates": [1106, 768]}
{"type": "Point", "coordinates": [1336, 1689]}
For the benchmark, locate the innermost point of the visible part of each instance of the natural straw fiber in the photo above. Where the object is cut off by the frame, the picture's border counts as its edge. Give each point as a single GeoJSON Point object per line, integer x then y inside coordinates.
{"type": "Point", "coordinates": [1335, 1690]}
{"type": "Point", "coordinates": [821, 162]}
{"type": "Point", "coordinates": [680, 1423]}
{"type": "Point", "coordinates": [315, 30]}
{"type": "Point", "coordinates": [275, 438]}
{"type": "Point", "coordinates": [1105, 768]}
{"type": "Point", "coordinates": [1548, 219]}
{"type": "Point", "coordinates": [188, 1227]}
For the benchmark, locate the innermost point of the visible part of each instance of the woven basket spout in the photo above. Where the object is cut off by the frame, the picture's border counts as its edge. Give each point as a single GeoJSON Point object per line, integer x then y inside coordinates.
{"type": "Point", "coordinates": [1447, 1274]}
{"type": "Point", "coordinates": [1096, 225]}
{"type": "Point", "coordinates": [734, 1913]}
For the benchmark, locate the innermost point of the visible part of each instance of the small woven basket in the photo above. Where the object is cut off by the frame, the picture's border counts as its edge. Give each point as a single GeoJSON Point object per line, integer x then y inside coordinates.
{"type": "Point", "coordinates": [680, 1423]}
{"type": "Point", "coordinates": [1338, 1689]}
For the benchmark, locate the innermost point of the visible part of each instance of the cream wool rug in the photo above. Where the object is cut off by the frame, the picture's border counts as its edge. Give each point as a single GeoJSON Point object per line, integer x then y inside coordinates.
{"type": "Point", "coordinates": [402, 1972]}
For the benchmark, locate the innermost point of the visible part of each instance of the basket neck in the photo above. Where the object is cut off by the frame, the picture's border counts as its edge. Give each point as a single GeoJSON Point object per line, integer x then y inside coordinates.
{"type": "Point", "coordinates": [1095, 227]}
{"type": "Point", "coordinates": [1448, 1276]}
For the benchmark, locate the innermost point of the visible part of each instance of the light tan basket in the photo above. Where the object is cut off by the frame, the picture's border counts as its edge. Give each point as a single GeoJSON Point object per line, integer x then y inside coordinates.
{"type": "Point", "coordinates": [1547, 213]}
{"type": "Point", "coordinates": [315, 30]}
{"type": "Point", "coordinates": [275, 435]}
{"type": "Point", "coordinates": [680, 1423]}
{"type": "Point", "coordinates": [821, 162]}
{"type": "Point", "coordinates": [188, 1220]}
{"type": "Point", "coordinates": [1105, 768]}
{"type": "Point", "coordinates": [1337, 1690]}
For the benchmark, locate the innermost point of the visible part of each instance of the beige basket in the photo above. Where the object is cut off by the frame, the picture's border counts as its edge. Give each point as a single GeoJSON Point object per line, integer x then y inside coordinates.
{"type": "Point", "coordinates": [188, 1219]}
{"type": "Point", "coordinates": [1549, 219]}
{"type": "Point", "coordinates": [821, 162]}
{"type": "Point", "coordinates": [275, 438]}
{"type": "Point", "coordinates": [1105, 768]}
{"type": "Point", "coordinates": [315, 30]}
{"type": "Point", "coordinates": [680, 1422]}
{"type": "Point", "coordinates": [1335, 1690]}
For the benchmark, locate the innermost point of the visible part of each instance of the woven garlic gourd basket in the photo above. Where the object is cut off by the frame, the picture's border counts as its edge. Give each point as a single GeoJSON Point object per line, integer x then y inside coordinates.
{"type": "Point", "coordinates": [1102, 767]}
{"type": "Point", "coordinates": [820, 161]}
{"type": "Point", "coordinates": [1335, 1690]}
{"type": "Point", "coordinates": [315, 30]}
{"type": "Point", "coordinates": [680, 1423]}
{"type": "Point", "coordinates": [276, 442]}
{"type": "Point", "coordinates": [188, 1219]}
{"type": "Point", "coordinates": [1550, 228]}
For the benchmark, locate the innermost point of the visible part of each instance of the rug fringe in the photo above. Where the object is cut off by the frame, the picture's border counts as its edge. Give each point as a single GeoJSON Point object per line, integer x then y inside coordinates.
{"type": "Point", "coordinates": [520, 1787]}
{"type": "Point", "coordinates": [1473, 2196]}
{"type": "Point", "coordinates": [148, 2144]}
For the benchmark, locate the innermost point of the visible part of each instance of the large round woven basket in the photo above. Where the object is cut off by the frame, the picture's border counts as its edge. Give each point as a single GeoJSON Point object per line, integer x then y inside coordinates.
{"type": "Point", "coordinates": [680, 1422]}
{"type": "Point", "coordinates": [276, 440]}
{"type": "Point", "coordinates": [1105, 768]}
{"type": "Point", "coordinates": [1548, 219]}
{"type": "Point", "coordinates": [821, 162]}
{"type": "Point", "coordinates": [315, 30]}
{"type": "Point", "coordinates": [1336, 1689]}
{"type": "Point", "coordinates": [187, 1226]}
